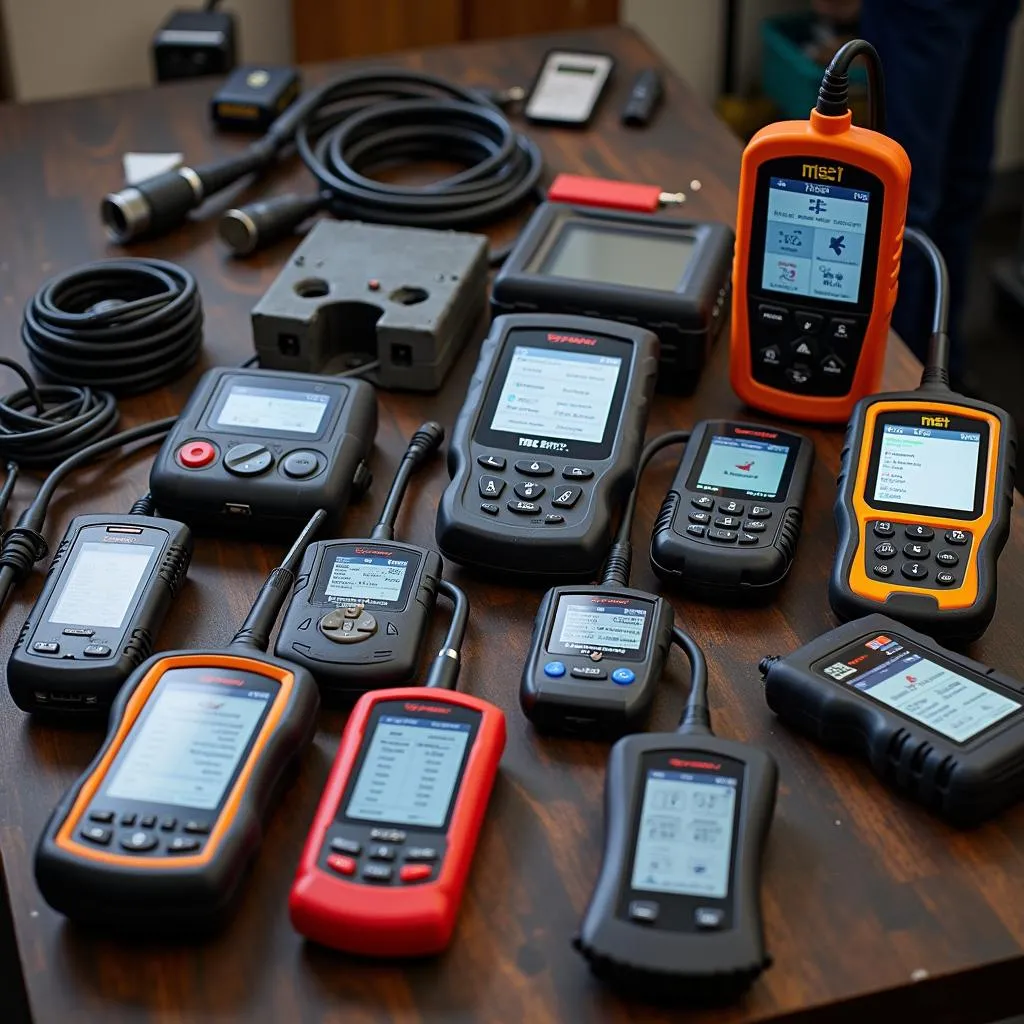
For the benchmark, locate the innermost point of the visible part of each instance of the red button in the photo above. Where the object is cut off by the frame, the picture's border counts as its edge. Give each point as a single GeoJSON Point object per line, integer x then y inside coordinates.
{"type": "Point", "coordinates": [343, 865]}
{"type": "Point", "coordinates": [196, 454]}
{"type": "Point", "coordinates": [415, 872]}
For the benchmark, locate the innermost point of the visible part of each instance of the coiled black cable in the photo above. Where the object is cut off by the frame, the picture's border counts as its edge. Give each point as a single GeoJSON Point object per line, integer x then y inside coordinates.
{"type": "Point", "coordinates": [364, 122]}
{"type": "Point", "coordinates": [127, 326]}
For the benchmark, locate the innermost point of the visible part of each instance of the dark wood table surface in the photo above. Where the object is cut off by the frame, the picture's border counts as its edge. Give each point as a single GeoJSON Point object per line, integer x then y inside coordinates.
{"type": "Point", "coordinates": [872, 907]}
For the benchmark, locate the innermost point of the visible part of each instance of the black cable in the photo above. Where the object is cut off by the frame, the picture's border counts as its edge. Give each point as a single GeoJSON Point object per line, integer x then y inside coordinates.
{"type": "Point", "coordinates": [935, 376]}
{"type": "Point", "coordinates": [128, 325]}
{"type": "Point", "coordinates": [8, 489]}
{"type": "Point", "coordinates": [834, 94]}
{"type": "Point", "coordinates": [620, 558]}
{"type": "Point", "coordinates": [23, 545]}
{"type": "Point", "coordinates": [696, 715]}
{"type": "Point", "coordinates": [41, 426]}
{"type": "Point", "coordinates": [144, 506]}
{"type": "Point", "coordinates": [444, 673]}
{"type": "Point", "coordinates": [422, 445]}
{"type": "Point", "coordinates": [344, 131]}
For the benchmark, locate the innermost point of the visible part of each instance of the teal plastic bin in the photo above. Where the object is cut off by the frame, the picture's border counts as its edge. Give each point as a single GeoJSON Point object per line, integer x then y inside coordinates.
{"type": "Point", "coordinates": [788, 76]}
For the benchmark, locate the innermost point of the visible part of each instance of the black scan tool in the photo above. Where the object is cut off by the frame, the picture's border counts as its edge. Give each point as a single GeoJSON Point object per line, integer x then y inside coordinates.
{"type": "Point", "coordinates": [107, 590]}
{"type": "Point", "coordinates": [676, 911]}
{"type": "Point", "coordinates": [940, 728]}
{"type": "Point", "coordinates": [668, 275]}
{"type": "Point", "coordinates": [259, 451]}
{"type": "Point", "coordinates": [545, 448]}
{"type": "Point", "coordinates": [597, 652]}
{"type": "Point", "coordinates": [361, 607]}
{"type": "Point", "coordinates": [730, 522]}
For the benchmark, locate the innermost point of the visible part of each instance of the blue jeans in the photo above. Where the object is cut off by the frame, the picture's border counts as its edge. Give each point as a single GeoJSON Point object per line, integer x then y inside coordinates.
{"type": "Point", "coordinates": [943, 62]}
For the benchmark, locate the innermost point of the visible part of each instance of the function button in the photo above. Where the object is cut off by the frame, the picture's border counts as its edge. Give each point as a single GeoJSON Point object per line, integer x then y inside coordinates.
{"type": "Point", "coordinates": [708, 918]}
{"type": "Point", "coordinates": [730, 508]}
{"type": "Point", "coordinates": [645, 911]}
{"type": "Point", "coordinates": [387, 835]}
{"type": "Point", "coordinates": [883, 570]}
{"type": "Point", "coordinates": [96, 834]}
{"type": "Point", "coordinates": [803, 348]}
{"type": "Point", "coordinates": [490, 508]}
{"type": "Point", "coordinates": [168, 824]}
{"type": "Point", "coordinates": [623, 676]}
{"type": "Point", "coordinates": [529, 467]}
{"type": "Point", "coordinates": [554, 519]}
{"type": "Point", "coordinates": [957, 536]}
{"type": "Point", "coordinates": [702, 518]}
{"type": "Point", "coordinates": [704, 502]}
{"type": "Point", "coordinates": [773, 316]}
{"type": "Point", "coordinates": [885, 550]}
{"type": "Point", "coordinates": [147, 821]}
{"type": "Point", "coordinates": [138, 842]}
{"type": "Point", "coordinates": [566, 497]}
{"type": "Point", "coordinates": [808, 323]}
{"type": "Point", "coordinates": [301, 464]}
{"type": "Point", "coordinates": [554, 669]}
{"type": "Point", "coordinates": [490, 486]}
{"type": "Point", "coordinates": [351, 847]}
{"type": "Point", "coordinates": [382, 852]}
{"type": "Point", "coordinates": [103, 817]}
{"type": "Point", "coordinates": [96, 651]}
{"type": "Point", "coordinates": [945, 578]}
{"type": "Point", "coordinates": [798, 375]}
{"type": "Point", "coordinates": [748, 538]}
{"type": "Point", "coordinates": [833, 366]}
{"type": "Point", "coordinates": [883, 528]}
{"type": "Point", "coordinates": [770, 355]}
{"type": "Point", "coordinates": [524, 508]}
{"type": "Point", "coordinates": [491, 462]}
{"type": "Point", "coordinates": [127, 820]}
{"type": "Point", "coordinates": [841, 329]}
{"type": "Point", "coordinates": [249, 459]}
{"type": "Point", "coordinates": [77, 631]}
{"type": "Point", "coordinates": [727, 522]}
{"type": "Point", "coordinates": [421, 853]}
{"type": "Point", "coordinates": [199, 828]}
{"type": "Point", "coordinates": [755, 526]}
{"type": "Point", "coordinates": [341, 864]}
{"type": "Point", "coordinates": [529, 490]}
{"type": "Point", "coordinates": [377, 873]}
{"type": "Point", "coordinates": [722, 536]}
{"type": "Point", "coordinates": [760, 511]}
{"type": "Point", "coordinates": [196, 454]}
{"type": "Point", "coordinates": [915, 531]}
{"type": "Point", "coordinates": [415, 873]}
{"type": "Point", "coordinates": [577, 473]}
{"type": "Point", "coordinates": [46, 647]}
{"type": "Point", "coordinates": [182, 844]}
{"type": "Point", "coordinates": [915, 550]}
{"type": "Point", "coordinates": [695, 531]}
{"type": "Point", "coordinates": [947, 558]}
{"type": "Point", "coordinates": [588, 672]}
{"type": "Point", "coordinates": [350, 624]}
{"type": "Point", "coordinates": [913, 570]}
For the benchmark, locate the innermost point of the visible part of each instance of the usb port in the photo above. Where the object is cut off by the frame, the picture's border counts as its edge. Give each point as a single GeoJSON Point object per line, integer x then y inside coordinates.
{"type": "Point", "coordinates": [401, 355]}
{"type": "Point", "coordinates": [234, 509]}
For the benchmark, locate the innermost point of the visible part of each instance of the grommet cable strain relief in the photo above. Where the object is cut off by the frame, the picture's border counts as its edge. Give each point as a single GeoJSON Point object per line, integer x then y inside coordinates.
{"type": "Point", "coordinates": [21, 548]}
{"type": "Point", "coordinates": [766, 663]}
{"type": "Point", "coordinates": [834, 93]}
{"type": "Point", "coordinates": [144, 506]}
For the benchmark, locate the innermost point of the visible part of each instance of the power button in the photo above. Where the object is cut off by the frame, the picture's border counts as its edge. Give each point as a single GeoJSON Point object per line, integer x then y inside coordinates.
{"type": "Point", "coordinates": [196, 454]}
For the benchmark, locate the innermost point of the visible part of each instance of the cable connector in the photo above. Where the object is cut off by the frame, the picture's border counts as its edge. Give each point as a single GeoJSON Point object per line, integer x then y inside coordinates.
{"type": "Point", "coordinates": [582, 190]}
{"type": "Point", "coordinates": [144, 506]}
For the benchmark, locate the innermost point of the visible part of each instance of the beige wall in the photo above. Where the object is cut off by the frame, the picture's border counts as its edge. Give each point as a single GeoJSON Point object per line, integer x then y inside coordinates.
{"type": "Point", "coordinates": [104, 44]}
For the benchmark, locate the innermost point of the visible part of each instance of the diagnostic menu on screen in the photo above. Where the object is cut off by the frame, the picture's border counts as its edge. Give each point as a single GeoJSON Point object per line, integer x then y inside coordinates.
{"type": "Point", "coordinates": [370, 578]}
{"type": "Point", "coordinates": [584, 624]}
{"type": "Point", "coordinates": [754, 468]}
{"type": "Point", "coordinates": [102, 584]}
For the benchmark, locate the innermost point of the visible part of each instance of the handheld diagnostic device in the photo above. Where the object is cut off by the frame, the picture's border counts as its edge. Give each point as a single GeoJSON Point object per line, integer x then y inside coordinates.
{"type": "Point", "coordinates": [925, 497]}
{"type": "Point", "coordinates": [390, 848]}
{"type": "Point", "coordinates": [567, 87]}
{"type": "Point", "coordinates": [106, 593]}
{"type": "Point", "coordinates": [545, 447]}
{"type": "Point", "coordinates": [360, 608]}
{"type": "Point", "coordinates": [668, 275]}
{"type": "Point", "coordinates": [260, 450]}
{"type": "Point", "coordinates": [597, 652]}
{"type": "Point", "coordinates": [730, 522]}
{"type": "Point", "coordinates": [819, 233]}
{"type": "Point", "coordinates": [942, 729]}
{"type": "Point", "coordinates": [157, 833]}
{"type": "Point", "coordinates": [676, 910]}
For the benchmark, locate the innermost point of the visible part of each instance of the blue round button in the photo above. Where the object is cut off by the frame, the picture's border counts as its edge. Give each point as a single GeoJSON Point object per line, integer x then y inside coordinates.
{"type": "Point", "coordinates": [623, 676]}
{"type": "Point", "coordinates": [554, 669]}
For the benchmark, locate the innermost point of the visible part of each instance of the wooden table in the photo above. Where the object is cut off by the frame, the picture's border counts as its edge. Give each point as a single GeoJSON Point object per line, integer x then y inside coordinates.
{"type": "Point", "coordinates": [872, 906]}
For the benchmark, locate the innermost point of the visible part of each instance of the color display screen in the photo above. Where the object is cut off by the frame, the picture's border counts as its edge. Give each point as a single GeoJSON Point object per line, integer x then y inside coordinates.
{"type": "Point", "coordinates": [296, 412]}
{"type": "Point", "coordinates": [370, 578]}
{"type": "Point", "coordinates": [753, 467]}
